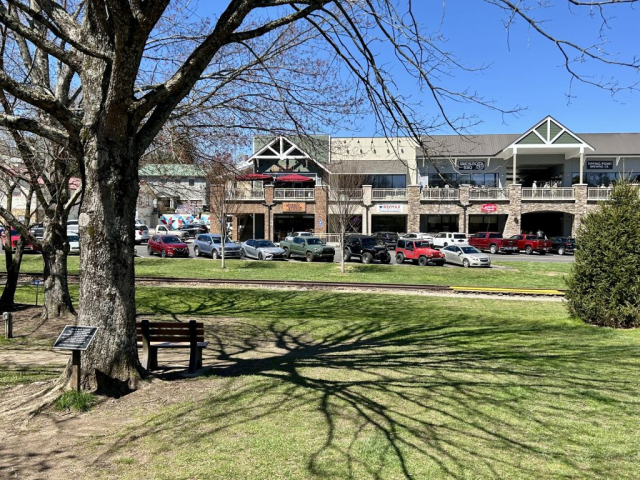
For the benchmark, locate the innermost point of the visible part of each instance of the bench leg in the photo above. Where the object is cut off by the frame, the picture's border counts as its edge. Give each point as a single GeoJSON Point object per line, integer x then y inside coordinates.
{"type": "Point", "coordinates": [199, 362]}
{"type": "Point", "coordinates": [152, 359]}
{"type": "Point", "coordinates": [193, 359]}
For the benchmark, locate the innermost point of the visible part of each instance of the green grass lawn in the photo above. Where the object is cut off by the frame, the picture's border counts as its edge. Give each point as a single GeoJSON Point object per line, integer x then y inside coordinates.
{"type": "Point", "coordinates": [324, 385]}
{"type": "Point", "coordinates": [508, 274]}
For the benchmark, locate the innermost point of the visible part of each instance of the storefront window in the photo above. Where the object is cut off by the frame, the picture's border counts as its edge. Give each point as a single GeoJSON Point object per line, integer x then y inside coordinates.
{"type": "Point", "coordinates": [389, 181]}
{"type": "Point", "coordinates": [438, 223]}
{"type": "Point", "coordinates": [457, 179]}
{"type": "Point", "coordinates": [600, 179]}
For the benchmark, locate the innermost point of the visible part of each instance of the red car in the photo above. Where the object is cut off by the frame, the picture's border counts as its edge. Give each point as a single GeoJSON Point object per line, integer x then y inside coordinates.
{"type": "Point", "coordinates": [419, 251]}
{"type": "Point", "coordinates": [531, 243]}
{"type": "Point", "coordinates": [167, 246]}
{"type": "Point", "coordinates": [15, 236]}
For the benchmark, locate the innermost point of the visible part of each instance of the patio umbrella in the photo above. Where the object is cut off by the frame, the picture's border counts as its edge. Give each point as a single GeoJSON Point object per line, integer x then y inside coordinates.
{"type": "Point", "coordinates": [254, 177]}
{"type": "Point", "coordinates": [294, 178]}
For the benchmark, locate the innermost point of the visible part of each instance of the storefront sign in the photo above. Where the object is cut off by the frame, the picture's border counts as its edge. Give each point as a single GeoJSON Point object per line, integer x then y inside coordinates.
{"type": "Point", "coordinates": [600, 164]}
{"type": "Point", "coordinates": [389, 208]}
{"type": "Point", "coordinates": [471, 166]}
{"type": "Point", "coordinates": [489, 208]}
{"type": "Point", "coordinates": [296, 207]}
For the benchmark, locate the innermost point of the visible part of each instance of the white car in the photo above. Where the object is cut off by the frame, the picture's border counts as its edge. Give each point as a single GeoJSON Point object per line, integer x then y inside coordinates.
{"type": "Point", "coordinates": [418, 236]}
{"type": "Point", "coordinates": [444, 239]}
{"type": "Point", "coordinates": [74, 243]}
{"type": "Point", "coordinates": [298, 234]}
{"type": "Point", "coordinates": [142, 234]}
{"type": "Point", "coordinates": [72, 226]}
{"type": "Point", "coordinates": [168, 230]}
{"type": "Point", "coordinates": [466, 255]}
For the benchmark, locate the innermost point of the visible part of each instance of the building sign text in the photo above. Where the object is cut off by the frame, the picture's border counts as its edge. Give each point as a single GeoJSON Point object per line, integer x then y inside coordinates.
{"type": "Point", "coordinates": [294, 207]}
{"type": "Point", "coordinates": [471, 166]}
{"type": "Point", "coordinates": [600, 164]}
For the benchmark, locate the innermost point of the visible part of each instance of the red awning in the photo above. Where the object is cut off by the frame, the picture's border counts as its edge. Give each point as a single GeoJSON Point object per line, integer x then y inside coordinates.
{"type": "Point", "coordinates": [294, 178]}
{"type": "Point", "coordinates": [254, 177]}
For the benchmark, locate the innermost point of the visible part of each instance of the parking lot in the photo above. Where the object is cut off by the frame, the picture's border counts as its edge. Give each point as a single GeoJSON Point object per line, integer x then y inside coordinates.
{"type": "Point", "coordinates": [548, 258]}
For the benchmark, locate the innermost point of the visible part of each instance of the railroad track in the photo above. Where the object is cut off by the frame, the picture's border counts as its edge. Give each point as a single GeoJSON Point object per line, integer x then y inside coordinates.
{"type": "Point", "coordinates": [334, 285]}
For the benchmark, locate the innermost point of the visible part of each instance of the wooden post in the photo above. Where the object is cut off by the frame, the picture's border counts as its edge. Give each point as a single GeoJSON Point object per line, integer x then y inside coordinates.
{"type": "Point", "coordinates": [8, 325]}
{"type": "Point", "coordinates": [193, 341]}
{"type": "Point", "coordinates": [75, 373]}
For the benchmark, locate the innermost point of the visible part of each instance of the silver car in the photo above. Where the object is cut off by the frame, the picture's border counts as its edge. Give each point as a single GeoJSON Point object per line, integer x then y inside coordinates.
{"type": "Point", "coordinates": [261, 249]}
{"type": "Point", "coordinates": [466, 256]}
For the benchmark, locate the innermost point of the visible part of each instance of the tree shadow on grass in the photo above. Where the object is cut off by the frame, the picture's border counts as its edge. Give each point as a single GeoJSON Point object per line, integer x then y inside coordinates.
{"type": "Point", "coordinates": [409, 398]}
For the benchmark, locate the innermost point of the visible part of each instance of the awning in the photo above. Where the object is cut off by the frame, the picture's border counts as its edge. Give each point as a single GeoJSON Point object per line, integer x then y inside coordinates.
{"type": "Point", "coordinates": [294, 178]}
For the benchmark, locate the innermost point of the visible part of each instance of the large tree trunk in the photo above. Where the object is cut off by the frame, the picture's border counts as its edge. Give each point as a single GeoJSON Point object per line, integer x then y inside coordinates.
{"type": "Point", "coordinates": [107, 279]}
{"type": "Point", "coordinates": [57, 301]}
{"type": "Point", "coordinates": [12, 261]}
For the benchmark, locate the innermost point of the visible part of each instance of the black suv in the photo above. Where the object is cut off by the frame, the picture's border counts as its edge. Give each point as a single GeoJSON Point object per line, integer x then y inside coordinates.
{"type": "Point", "coordinates": [366, 248]}
{"type": "Point", "coordinates": [388, 239]}
{"type": "Point", "coordinates": [563, 245]}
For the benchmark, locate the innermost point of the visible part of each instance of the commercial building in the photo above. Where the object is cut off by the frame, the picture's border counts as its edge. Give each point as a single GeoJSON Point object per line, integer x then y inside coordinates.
{"type": "Point", "coordinates": [546, 178]}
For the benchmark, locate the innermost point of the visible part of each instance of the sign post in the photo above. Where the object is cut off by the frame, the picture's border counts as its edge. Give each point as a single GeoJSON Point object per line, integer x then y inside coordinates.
{"type": "Point", "coordinates": [76, 339]}
{"type": "Point", "coordinates": [8, 325]}
{"type": "Point", "coordinates": [37, 285]}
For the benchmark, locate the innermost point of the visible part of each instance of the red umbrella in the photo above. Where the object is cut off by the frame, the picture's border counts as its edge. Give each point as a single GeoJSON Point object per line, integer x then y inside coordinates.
{"type": "Point", "coordinates": [294, 178]}
{"type": "Point", "coordinates": [254, 177]}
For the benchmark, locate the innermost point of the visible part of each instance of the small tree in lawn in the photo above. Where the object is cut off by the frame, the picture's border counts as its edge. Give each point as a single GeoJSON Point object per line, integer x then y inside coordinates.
{"type": "Point", "coordinates": [345, 198]}
{"type": "Point", "coordinates": [604, 285]}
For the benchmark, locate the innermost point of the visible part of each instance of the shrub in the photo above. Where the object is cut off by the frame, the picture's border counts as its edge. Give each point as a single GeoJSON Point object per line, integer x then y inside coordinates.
{"type": "Point", "coordinates": [73, 400]}
{"type": "Point", "coordinates": [604, 284]}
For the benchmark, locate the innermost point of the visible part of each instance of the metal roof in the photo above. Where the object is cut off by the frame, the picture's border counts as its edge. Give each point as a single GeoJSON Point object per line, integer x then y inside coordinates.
{"type": "Point", "coordinates": [493, 144]}
{"type": "Point", "coordinates": [368, 167]}
{"type": "Point", "coordinates": [170, 170]}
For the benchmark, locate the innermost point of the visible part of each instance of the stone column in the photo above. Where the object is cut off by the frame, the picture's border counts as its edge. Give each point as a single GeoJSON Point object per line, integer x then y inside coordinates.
{"type": "Point", "coordinates": [367, 195]}
{"type": "Point", "coordinates": [465, 202]}
{"type": "Point", "coordinates": [580, 192]}
{"type": "Point", "coordinates": [322, 213]}
{"type": "Point", "coordinates": [513, 225]}
{"type": "Point", "coordinates": [268, 215]}
{"type": "Point", "coordinates": [413, 208]}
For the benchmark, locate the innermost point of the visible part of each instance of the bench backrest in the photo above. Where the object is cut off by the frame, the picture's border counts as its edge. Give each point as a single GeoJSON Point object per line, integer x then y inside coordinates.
{"type": "Point", "coordinates": [170, 331]}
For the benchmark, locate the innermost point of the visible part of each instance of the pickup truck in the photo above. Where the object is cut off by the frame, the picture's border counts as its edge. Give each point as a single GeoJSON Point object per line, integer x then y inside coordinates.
{"type": "Point", "coordinates": [311, 248]}
{"type": "Point", "coordinates": [531, 243]}
{"type": "Point", "coordinates": [418, 251]}
{"type": "Point", "coordinates": [493, 242]}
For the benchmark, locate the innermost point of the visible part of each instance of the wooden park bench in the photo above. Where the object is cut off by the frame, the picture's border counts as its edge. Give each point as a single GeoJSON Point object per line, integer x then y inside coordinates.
{"type": "Point", "coordinates": [154, 335]}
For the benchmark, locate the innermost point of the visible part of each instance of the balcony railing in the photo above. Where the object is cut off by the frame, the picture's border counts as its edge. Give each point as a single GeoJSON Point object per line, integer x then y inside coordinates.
{"type": "Point", "coordinates": [597, 193]}
{"type": "Point", "coordinates": [344, 194]}
{"type": "Point", "coordinates": [306, 194]}
{"type": "Point", "coordinates": [246, 194]}
{"type": "Point", "coordinates": [550, 193]}
{"type": "Point", "coordinates": [488, 194]}
{"type": "Point", "coordinates": [440, 194]}
{"type": "Point", "coordinates": [378, 194]}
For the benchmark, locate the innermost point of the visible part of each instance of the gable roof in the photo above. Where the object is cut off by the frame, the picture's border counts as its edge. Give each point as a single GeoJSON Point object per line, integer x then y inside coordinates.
{"type": "Point", "coordinates": [281, 148]}
{"type": "Point", "coordinates": [316, 147]}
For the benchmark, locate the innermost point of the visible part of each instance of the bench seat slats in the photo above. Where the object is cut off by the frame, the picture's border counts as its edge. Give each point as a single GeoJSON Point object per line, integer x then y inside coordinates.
{"type": "Point", "coordinates": [175, 344]}
{"type": "Point", "coordinates": [171, 338]}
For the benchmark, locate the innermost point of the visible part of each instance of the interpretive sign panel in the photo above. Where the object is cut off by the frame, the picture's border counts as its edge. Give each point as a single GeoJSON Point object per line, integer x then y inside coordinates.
{"type": "Point", "coordinates": [75, 338]}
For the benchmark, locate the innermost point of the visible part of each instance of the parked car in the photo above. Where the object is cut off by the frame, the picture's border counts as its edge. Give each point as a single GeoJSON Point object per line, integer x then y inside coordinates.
{"type": "Point", "coordinates": [210, 244]}
{"type": "Point", "coordinates": [388, 239]}
{"type": "Point", "coordinates": [562, 245]}
{"type": "Point", "coordinates": [493, 242]}
{"type": "Point", "coordinates": [418, 236]}
{"type": "Point", "coordinates": [311, 248]}
{"type": "Point", "coordinates": [261, 249]}
{"type": "Point", "coordinates": [419, 251]}
{"type": "Point", "coordinates": [290, 235]}
{"type": "Point", "coordinates": [72, 226]}
{"type": "Point", "coordinates": [167, 246]}
{"type": "Point", "coordinates": [366, 249]}
{"type": "Point", "coordinates": [531, 243]}
{"type": "Point", "coordinates": [74, 243]}
{"type": "Point", "coordinates": [142, 234]}
{"type": "Point", "coordinates": [37, 231]}
{"type": "Point", "coordinates": [170, 230]}
{"type": "Point", "coordinates": [15, 236]}
{"type": "Point", "coordinates": [194, 229]}
{"type": "Point", "coordinates": [466, 255]}
{"type": "Point", "coordinates": [444, 239]}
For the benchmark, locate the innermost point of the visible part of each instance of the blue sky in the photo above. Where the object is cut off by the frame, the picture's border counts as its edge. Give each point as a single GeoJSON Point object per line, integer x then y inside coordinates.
{"type": "Point", "coordinates": [524, 70]}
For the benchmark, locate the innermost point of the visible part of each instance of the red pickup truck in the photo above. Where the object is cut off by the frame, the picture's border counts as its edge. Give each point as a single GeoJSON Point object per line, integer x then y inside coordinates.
{"type": "Point", "coordinates": [419, 251]}
{"type": "Point", "coordinates": [531, 243]}
{"type": "Point", "coordinates": [493, 242]}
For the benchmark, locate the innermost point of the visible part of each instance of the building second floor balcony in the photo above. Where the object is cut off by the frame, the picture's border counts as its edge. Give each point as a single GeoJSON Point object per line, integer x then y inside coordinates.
{"type": "Point", "coordinates": [549, 193]}
{"type": "Point", "coordinates": [482, 194]}
{"type": "Point", "coordinates": [301, 194]}
{"type": "Point", "coordinates": [245, 194]}
{"type": "Point", "coordinates": [440, 194]}
{"type": "Point", "coordinates": [382, 194]}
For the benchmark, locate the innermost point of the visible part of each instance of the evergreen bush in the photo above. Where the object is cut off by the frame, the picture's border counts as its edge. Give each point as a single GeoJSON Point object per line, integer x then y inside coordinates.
{"type": "Point", "coordinates": [604, 284]}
